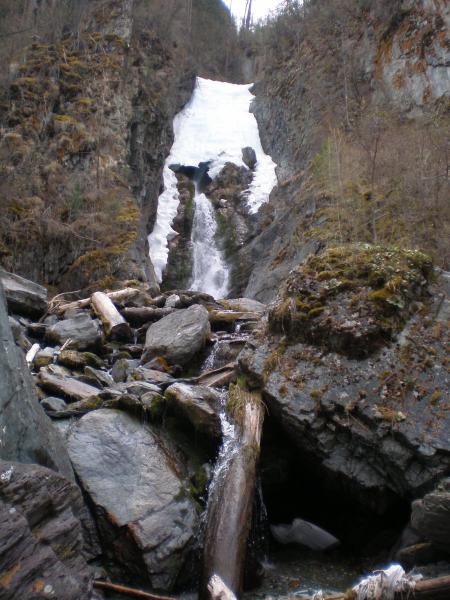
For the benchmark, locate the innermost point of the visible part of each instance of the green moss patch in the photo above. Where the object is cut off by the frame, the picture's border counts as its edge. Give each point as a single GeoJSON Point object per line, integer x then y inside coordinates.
{"type": "Point", "coordinates": [352, 298]}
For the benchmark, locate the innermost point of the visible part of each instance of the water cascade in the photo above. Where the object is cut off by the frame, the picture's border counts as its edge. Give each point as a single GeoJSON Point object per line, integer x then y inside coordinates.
{"type": "Point", "coordinates": [210, 273]}
{"type": "Point", "coordinates": [213, 128]}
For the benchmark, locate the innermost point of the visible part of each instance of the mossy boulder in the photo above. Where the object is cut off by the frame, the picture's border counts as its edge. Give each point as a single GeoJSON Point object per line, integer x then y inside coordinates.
{"type": "Point", "coordinates": [351, 299]}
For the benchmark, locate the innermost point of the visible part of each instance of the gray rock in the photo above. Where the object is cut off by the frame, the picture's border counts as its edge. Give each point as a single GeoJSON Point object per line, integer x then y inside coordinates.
{"type": "Point", "coordinates": [82, 330]}
{"type": "Point", "coordinates": [79, 360]}
{"type": "Point", "coordinates": [179, 336]}
{"type": "Point", "coordinates": [153, 376]}
{"type": "Point", "coordinates": [101, 377]}
{"type": "Point", "coordinates": [53, 404]}
{"type": "Point", "coordinates": [173, 301]}
{"type": "Point", "coordinates": [69, 387]}
{"type": "Point", "coordinates": [26, 433]}
{"type": "Point", "coordinates": [249, 157]}
{"type": "Point", "coordinates": [144, 515]}
{"type": "Point", "coordinates": [243, 305]}
{"type": "Point", "coordinates": [23, 296]}
{"type": "Point", "coordinates": [121, 369]}
{"type": "Point", "coordinates": [41, 535]}
{"type": "Point", "coordinates": [197, 404]}
{"type": "Point", "coordinates": [44, 357]}
{"type": "Point", "coordinates": [304, 533]}
{"type": "Point", "coordinates": [431, 516]}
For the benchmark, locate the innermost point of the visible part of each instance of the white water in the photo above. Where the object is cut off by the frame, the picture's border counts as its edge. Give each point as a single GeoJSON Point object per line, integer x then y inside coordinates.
{"type": "Point", "coordinates": [210, 273]}
{"type": "Point", "coordinates": [214, 126]}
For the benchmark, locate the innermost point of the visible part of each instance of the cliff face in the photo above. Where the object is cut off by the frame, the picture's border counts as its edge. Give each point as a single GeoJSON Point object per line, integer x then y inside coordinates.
{"type": "Point", "coordinates": [86, 126]}
{"type": "Point", "coordinates": [352, 103]}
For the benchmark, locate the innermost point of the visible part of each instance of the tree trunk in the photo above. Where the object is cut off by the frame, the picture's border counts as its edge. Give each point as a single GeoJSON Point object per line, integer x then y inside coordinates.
{"type": "Point", "coordinates": [230, 508]}
{"type": "Point", "coordinates": [119, 296]}
{"type": "Point", "coordinates": [114, 324]}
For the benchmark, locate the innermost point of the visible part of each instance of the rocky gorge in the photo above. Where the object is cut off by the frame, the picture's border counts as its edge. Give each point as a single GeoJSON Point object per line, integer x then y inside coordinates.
{"type": "Point", "coordinates": [220, 375]}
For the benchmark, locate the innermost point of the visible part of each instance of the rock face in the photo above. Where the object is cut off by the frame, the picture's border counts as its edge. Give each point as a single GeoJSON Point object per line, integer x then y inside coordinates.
{"type": "Point", "coordinates": [431, 516]}
{"type": "Point", "coordinates": [41, 538]}
{"type": "Point", "coordinates": [379, 424]}
{"type": "Point", "coordinates": [146, 520]}
{"type": "Point", "coordinates": [26, 433]}
{"type": "Point", "coordinates": [178, 336]}
{"type": "Point", "coordinates": [23, 297]}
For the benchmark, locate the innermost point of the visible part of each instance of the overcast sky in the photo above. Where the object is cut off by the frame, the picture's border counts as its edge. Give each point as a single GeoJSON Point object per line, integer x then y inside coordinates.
{"type": "Point", "coordinates": [260, 8]}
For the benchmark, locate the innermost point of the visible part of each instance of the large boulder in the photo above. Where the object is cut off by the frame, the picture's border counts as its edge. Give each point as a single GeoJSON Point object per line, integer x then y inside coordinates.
{"type": "Point", "coordinates": [41, 537]}
{"type": "Point", "coordinates": [23, 296]}
{"type": "Point", "coordinates": [431, 516]}
{"type": "Point", "coordinates": [146, 519]}
{"type": "Point", "coordinates": [26, 433]}
{"type": "Point", "coordinates": [377, 425]}
{"type": "Point", "coordinates": [179, 336]}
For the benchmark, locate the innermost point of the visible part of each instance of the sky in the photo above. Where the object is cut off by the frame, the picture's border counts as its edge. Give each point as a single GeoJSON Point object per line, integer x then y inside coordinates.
{"type": "Point", "coordinates": [260, 8]}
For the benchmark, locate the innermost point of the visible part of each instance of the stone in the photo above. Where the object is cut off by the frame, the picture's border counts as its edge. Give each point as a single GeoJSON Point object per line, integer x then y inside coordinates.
{"type": "Point", "coordinates": [306, 534]}
{"type": "Point", "coordinates": [26, 433]}
{"type": "Point", "coordinates": [83, 332]}
{"type": "Point", "coordinates": [101, 377]}
{"type": "Point", "coordinates": [179, 336]}
{"type": "Point", "coordinates": [52, 404]}
{"type": "Point", "coordinates": [243, 305]}
{"type": "Point", "coordinates": [153, 376]}
{"type": "Point", "coordinates": [121, 369]}
{"type": "Point", "coordinates": [44, 357]}
{"type": "Point", "coordinates": [68, 387]}
{"type": "Point", "coordinates": [146, 519]}
{"type": "Point", "coordinates": [42, 548]}
{"type": "Point", "coordinates": [431, 516]}
{"type": "Point", "coordinates": [79, 360]}
{"type": "Point", "coordinates": [24, 297]}
{"type": "Point", "coordinates": [198, 405]}
{"type": "Point", "coordinates": [173, 301]}
{"type": "Point", "coordinates": [249, 157]}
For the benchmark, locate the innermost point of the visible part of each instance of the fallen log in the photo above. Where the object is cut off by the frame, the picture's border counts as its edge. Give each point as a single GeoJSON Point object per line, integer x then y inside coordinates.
{"type": "Point", "coordinates": [113, 323]}
{"type": "Point", "coordinates": [428, 589]}
{"type": "Point", "coordinates": [121, 589]}
{"type": "Point", "coordinates": [231, 502]}
{"type": "Point", "coordinates": [145, 314]}
{"type": "Point", "coordinates": [118, 296]}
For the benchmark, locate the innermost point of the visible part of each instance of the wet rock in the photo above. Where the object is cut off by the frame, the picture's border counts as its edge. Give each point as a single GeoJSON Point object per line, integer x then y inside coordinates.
{"type": "Point", "coordinates": [146, 520]}
{"type": "Point", "coordinates": [83, 332]}
{"type": "Point", "coordinates": [41, 536]}
{"type": "Point", "coordinates": [52, 404]}
{"type": "Point", "coordinates": [139, 388]}
{"type": "Point", "coordinates": [26, 433]}
{"type": "Point", "coordinates": [197, 404]}
{"type": "Point", "coordinates": [68, 387]}
{"type": "Point", "coordinates": [249, 157]}
{"type": "Point", "coordinates": [179, 336]}
{"type": "Point", "coordinates": [145, 314]}
{"type": "Point", "coordinates": [23, 296]}
{"type": "Point", "coordinates": [431, 516]}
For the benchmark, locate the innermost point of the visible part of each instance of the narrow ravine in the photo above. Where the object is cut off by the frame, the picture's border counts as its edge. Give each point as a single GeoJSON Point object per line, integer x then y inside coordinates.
{"type": "Point", "coordinates": [213, 128]}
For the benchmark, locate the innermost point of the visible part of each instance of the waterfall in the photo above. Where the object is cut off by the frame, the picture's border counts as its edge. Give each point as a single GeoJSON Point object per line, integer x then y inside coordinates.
{"type": "Point", "coordinates": [212, 128]}
{"type": "Point", "coordinates": [210, 273]}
